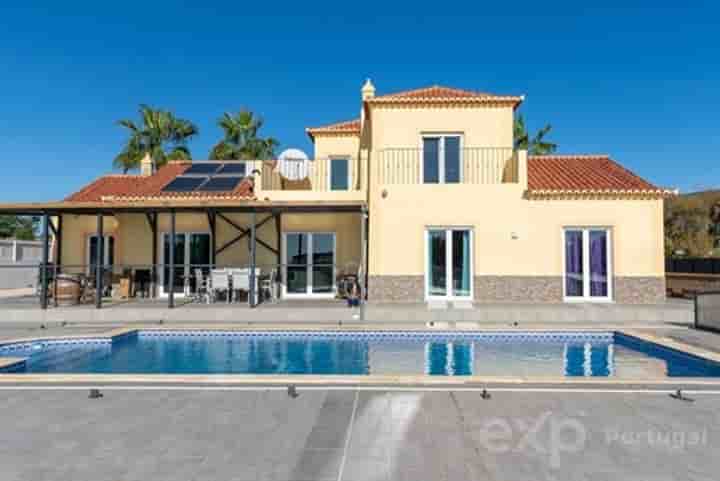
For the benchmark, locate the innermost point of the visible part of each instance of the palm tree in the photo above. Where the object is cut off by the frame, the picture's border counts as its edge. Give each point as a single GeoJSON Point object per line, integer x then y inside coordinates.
{"type": "Point", "coordinates": [240, 138]}
{"type": "Point", "coordinates": [535, 146]}
{"type": "Point", "coordinates": [162, 135]}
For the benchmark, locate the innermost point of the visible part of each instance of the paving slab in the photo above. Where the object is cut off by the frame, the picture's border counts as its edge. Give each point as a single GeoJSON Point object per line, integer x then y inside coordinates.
{"type": "Point", "coordinates": [356, 435]}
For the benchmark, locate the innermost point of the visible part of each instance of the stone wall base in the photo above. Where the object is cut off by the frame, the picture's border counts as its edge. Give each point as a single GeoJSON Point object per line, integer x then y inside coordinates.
{"type": "Point", "coordinates": [396, 288]}
{"type": "Point", "coordinates": [518, 289]}
{"type": "Point", "coordinates": [540, 289]}
{"type": "Point", "coordinates": [639, 290]}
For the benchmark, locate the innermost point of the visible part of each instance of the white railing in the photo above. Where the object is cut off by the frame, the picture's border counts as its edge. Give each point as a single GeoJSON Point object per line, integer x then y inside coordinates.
{"type": "Point", "coordinates": [478, 165]}
{"type": "Point", "coordinates": [309, 175]}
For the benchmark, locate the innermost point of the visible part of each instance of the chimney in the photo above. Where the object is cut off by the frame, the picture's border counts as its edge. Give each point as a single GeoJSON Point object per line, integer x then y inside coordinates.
{"type": "Point", "coordinates": [368, 90]}
{"type": "Point", "coordinates": [147, 166]}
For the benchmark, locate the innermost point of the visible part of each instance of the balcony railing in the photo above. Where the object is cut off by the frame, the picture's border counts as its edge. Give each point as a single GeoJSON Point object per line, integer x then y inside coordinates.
{"type": "Point", "coordinates": [477, 165]}
{"type": "Point", "coordinates": [317, 175]}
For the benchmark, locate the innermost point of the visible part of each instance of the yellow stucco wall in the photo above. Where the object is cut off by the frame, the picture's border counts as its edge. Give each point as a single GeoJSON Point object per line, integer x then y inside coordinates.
{"type": "Point", "coordinates": [402, 127]}
{"type": "Point", "coordinates": [75, 233]}
{"type": "Point", "coordinates": [330, 145]}
{"type": "Point", "coordinates": [497, 213]}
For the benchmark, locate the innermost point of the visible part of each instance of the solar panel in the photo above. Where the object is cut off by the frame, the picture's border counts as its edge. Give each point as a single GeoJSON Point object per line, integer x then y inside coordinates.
{"type": "Point", "coordinates": [239, 168]}
{"type": "Point", "coordinates": [220, 184]}
{"type": "Point", "coordinates": [184, 184]}
{"type": "Point", "coordinates": [203, 168]}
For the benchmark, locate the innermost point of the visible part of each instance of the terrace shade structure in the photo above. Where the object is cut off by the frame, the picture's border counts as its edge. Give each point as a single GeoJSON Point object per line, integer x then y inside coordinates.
{"type": "Point", "coordinates": [149, 214]}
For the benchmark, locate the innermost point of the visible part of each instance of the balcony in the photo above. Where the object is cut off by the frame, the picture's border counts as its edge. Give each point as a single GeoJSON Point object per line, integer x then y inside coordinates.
{"type": "Point", "coordinates": [471, 165]}
{"type": "Point", "coordinates": [332, 179]}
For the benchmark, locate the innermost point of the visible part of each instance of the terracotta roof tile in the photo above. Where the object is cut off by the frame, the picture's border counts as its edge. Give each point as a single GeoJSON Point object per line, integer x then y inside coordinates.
{"type": "Point", "coordinates": [583, 174]}
{"type": "Point", "coordinates": [136, 187]}
{"type": "Point", "coordinates": [347, 126]}
{"type": "Point", "coordinates": [438, 93]}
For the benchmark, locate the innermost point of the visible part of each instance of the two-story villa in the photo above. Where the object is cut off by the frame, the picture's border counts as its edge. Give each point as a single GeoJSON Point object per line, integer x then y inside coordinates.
{"type": "Point", "coordinates": [423, 196]}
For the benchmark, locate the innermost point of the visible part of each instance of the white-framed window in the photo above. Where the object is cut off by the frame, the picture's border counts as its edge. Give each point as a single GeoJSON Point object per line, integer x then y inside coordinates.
{"type": "Point", "coordinates": [587, 259]}
{"type": "Point", "coordinates": [339, 176]}
{"type": "Point", "coordinates": [448, 263]}
{"type": "Point", "coordinates": [92, 252]}
{"type": "Point", "coordinates": [309, 264]}
{"type": "Point", "coordinates": [442, 158]}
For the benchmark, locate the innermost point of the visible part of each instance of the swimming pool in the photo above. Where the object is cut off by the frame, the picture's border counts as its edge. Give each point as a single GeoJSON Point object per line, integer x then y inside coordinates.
{"type": "Point", "coordinates": [511, 353]}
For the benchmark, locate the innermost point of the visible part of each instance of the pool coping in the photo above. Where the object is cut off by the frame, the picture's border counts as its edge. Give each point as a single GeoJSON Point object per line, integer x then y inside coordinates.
{"type": "Point", "coordinates": [373, 380]}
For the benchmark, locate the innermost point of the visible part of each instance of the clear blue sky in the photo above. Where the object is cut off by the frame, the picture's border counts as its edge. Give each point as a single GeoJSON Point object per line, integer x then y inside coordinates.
{"type": "Point", "coordinates": [639, 82]}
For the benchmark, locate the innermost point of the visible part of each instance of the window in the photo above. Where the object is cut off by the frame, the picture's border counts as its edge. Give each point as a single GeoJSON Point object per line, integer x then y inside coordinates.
{"type": "Point", "coordinates": [108, 252]}
{"type": "Point", "coordinates": [588, 270]}
{"type": "Point", "coordinates": [441, 159]}
{"type": "Point", "coordinates": [339, 173]}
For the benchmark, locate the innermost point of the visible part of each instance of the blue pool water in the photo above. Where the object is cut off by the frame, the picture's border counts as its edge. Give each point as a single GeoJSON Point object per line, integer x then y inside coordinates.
{"type": "Point", "coordinates": [295, 352]}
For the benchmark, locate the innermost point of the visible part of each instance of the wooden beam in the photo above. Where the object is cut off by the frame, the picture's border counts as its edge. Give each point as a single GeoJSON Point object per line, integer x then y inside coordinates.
{"type": "Point", "coordinates": [244, 232]}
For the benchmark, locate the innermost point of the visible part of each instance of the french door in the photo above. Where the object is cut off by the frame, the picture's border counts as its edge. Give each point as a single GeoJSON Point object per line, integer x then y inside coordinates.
{"type": "Point", "coordinates": [309, 264]}
{"type": "Point", "coordinates": [448, 269]}
{"type": "Point", "coordinates": [588, 266]}
{"type": "Point", "coordinates": [192, 251]}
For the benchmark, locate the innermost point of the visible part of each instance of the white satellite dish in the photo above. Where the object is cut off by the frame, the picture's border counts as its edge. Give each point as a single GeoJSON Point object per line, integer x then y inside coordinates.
{"type": "Point", "coordinates": [293, 164]}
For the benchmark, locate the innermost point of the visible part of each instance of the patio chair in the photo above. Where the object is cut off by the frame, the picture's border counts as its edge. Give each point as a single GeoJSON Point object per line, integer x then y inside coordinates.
{"type": "Point", "coordinates": [219, 283]}
{"type": "Point", "coordinates": [240, 281]}
{"type": "Point", "coordinates": [268, 287]}
{"type": "Point", "coordinates": [201, 287]}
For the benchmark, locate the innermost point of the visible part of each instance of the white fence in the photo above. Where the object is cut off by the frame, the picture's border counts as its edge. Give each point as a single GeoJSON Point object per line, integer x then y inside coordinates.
{"type": "Point", "coordinates": [707, 310]}
{"type": "Point", "coordinates": [19, 253]}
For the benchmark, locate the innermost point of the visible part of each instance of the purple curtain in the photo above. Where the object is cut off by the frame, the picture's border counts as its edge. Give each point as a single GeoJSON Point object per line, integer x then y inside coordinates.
{"type": "Point", "coordinates": [598, 264]}
{"type": "Point", "coordinates": [573, 263]}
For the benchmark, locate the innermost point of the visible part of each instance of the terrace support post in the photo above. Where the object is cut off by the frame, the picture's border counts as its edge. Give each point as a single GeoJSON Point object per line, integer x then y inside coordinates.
{"type": "Point", "coordinates": [213, 239]}
{"type": "Point", "coordinates": [278, 230]}
{"type": "Point", "coordinates": [99, 262]}
{"type": "Point", "coordinates": [57, 268]}
{"type": "Point", "coordinates": [171, 262]}
{"type": "Point", "coordinates": [152, 220]}
{"type": "Point", "coordinates": [44, 263]}
{"type": "Point", "coordinates": [252, 258]}
{"type": "Point", "coordinates": [362, 277]}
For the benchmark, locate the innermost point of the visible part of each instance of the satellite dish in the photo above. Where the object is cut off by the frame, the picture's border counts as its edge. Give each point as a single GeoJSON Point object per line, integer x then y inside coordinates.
{"type": "Point", "coordinates": [293, 164]}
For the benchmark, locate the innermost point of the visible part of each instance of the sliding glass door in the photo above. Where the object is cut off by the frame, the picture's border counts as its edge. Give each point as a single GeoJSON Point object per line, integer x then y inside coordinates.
{"type": "Point", "coordinates": [309, 264]}
{"type": "Point", "coordinates": [588, 273]}
{"type": "Point", "coordinates": [448, 272]}
{"type": "Point", "coordinates": [192, 251]}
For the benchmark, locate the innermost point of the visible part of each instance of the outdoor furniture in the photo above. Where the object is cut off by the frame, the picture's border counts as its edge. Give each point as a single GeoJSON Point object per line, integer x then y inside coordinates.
{"type": "Point", "coordinates": [201, 286]}
{"type": "Point", "coordinates": [241, 281]}
{"type": "Point", "coordinates": [219, 283]}
{"type": "Point", "coordinates": [141, 282]}
{"type": "Point", "coordinates": [268, 287]}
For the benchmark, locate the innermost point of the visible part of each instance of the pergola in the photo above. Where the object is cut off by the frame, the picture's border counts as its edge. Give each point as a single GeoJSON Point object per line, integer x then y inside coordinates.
{"type": "Point", "coordinates": [212, 208]}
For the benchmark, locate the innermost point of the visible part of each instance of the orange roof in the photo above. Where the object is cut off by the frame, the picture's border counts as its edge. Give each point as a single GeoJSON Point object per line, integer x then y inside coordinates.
{"type": "Point", "coordinates": [137, 187]}
{"type": "Point", "coordinates": [437, 93]}
{"type": "Point", "coordinates": [586, 174]}
{"type": "Point", "coordinates": [345, 127]}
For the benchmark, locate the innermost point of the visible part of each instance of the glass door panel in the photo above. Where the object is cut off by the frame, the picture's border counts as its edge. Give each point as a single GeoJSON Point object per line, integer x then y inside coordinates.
{"type": "Point", "coordinates": [598, 263]}
{"type": "Point", "coordinates": [437, 263]}
{"type": "Point", "coordinates": [323, 260]}
{"type": "Point", "coordinates": [574, 263]}
{"type": "Point", "coordinates": [461, 263]}
{"type": "Point", "coordinates": [199, 246]}
{"type": "Point", "coordinates": [297, 246]}
{"type": "Point", "coordinates": [179, 264]}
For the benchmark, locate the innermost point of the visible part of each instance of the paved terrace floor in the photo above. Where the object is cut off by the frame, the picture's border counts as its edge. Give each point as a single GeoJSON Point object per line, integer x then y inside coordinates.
{"type": "Point", "coordinates": [25, 308]}
{"type": "Point", "coordinates": [357, 435]}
